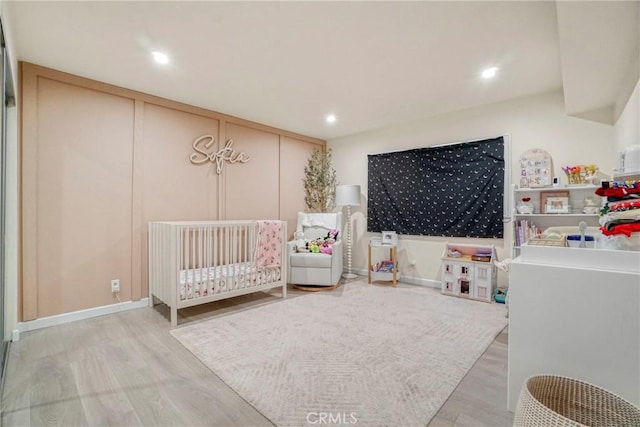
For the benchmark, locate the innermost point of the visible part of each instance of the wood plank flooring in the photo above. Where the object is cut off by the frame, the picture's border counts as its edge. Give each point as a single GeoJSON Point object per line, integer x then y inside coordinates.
{"type": "Point", "coordinates": [125, 369]}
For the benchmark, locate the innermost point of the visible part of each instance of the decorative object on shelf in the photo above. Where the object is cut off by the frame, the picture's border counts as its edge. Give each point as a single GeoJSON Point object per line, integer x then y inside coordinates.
{"type": "Point", "coordinates": [536, 169]}
{"type": "Point", "coordinates": [320, 182]}
{"type": "Point", "coordinates": [348, 195]}
{"type": "Point", "coordinates": [525, 206]}
{"type": "Point", "coordinates": [389, 238]}
{"type": "Point", "coordinates": [554, 201]}
{"type": "Point", "coordinates": [557, 205]}
{"type": "Point", "coordinates": [590, 206]}
{"type": "Point", "coordinates": [453, 253]}
{"type": "Point", "coordinates": [581, 174]}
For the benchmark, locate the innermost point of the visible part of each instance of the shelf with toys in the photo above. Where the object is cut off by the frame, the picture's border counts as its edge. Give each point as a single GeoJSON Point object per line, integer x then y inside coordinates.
{"type": "Point", "coordinates": [544, 201]}
{"type": "Point", "coordinates": [384, 270]}
{"type": "Point", "coordinates": [572, 204]}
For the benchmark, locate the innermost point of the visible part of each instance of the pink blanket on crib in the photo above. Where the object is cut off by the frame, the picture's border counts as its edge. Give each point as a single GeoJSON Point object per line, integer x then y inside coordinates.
{"type": "Point", "coordinates": [269, 244]}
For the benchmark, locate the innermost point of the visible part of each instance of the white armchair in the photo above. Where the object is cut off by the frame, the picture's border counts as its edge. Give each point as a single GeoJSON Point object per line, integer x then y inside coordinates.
{"type": "Point", "coordinates": [316, 269]}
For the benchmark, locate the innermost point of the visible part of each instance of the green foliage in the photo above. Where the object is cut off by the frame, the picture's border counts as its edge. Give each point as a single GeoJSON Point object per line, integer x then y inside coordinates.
{"type": "Point", "coordinates": [319, 182]}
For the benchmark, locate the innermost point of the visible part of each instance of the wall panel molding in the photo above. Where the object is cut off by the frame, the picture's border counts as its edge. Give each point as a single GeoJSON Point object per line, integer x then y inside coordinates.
{"type": "Point", "coordinates": [162, 184]}
{"type": "Point", "coordinates": [136, 202]}
{"type": "Point", "coordinates": [151, 99]}
{"type": "Point", "coordinates": [28, 152]}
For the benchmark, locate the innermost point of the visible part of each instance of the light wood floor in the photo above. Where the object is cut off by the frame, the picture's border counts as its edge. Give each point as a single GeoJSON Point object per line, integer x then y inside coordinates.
{"type": "Point", "coordinates": [125, 369]}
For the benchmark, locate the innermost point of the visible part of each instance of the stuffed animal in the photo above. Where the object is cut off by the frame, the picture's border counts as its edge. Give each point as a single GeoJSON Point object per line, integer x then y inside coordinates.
{"type": "Point", "coordinates": [313, 247]}
{"type": "Point", "coordinates": [301, 245]}
{"type": "Point", "coordinates": [326, 249]}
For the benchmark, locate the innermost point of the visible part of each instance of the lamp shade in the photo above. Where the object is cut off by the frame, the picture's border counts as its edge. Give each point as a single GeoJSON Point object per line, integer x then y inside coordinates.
{"type": "Point", "coordinates": [348, 195]}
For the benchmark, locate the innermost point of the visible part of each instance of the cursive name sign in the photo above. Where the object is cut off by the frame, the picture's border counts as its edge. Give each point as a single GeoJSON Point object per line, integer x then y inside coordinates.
{"type": "Point", "coordinates": [227, 154]}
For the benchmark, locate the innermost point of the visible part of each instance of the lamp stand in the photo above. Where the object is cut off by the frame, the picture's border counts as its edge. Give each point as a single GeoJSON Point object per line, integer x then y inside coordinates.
{"type": "Point", "coordinates": [349, 274]}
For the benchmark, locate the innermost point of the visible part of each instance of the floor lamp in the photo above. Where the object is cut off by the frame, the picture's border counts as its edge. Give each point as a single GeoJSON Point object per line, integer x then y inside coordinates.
{"type": "Point", "coordinates": [348, 195]}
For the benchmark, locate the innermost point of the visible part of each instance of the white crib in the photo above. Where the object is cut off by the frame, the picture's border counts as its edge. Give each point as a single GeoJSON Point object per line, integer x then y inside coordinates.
{"type": "Point", "coordinates": [195, 262]}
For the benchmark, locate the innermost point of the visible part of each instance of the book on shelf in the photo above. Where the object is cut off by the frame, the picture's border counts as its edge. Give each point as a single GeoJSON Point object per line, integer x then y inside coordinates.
{"type": "Point", "coordinates": [383, 266]}
{"type": "Point", "coordinates": [524, 230]}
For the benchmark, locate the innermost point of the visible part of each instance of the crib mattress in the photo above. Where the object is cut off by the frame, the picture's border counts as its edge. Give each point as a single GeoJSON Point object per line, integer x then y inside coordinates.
{"type": "Point", "coordinates": [201, 282]}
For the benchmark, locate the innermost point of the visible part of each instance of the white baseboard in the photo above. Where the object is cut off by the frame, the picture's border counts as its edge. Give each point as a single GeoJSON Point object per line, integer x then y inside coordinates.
{"type": "Point", "coordinates": [59, 319]}
{"type": "Point", "coordinates": [436, 284]}
{"type": "Point", "coordinates": [406, 279]}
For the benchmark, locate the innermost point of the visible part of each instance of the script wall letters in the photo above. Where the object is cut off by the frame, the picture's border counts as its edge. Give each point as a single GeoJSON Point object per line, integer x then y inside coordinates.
{"type": "Point", "coordinates": [225, 154]}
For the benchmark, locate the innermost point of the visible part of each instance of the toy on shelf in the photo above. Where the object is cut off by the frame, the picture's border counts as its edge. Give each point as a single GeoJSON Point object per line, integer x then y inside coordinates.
{"type": "Point", "coordinates": [500, 295]}
{"type": "Point", "coordinates": [385, 266]}
{"type": "Point", "coordinates": [501, 292]}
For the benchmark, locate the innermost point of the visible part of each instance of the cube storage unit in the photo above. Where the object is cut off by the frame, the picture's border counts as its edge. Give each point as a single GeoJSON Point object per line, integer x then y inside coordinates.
{"type": "Point", "coordinates": [468, 271]}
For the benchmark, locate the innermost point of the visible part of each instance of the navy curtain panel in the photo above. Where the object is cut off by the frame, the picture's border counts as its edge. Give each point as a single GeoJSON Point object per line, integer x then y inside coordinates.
{"type": "Point", "coordinates": [455, 190]}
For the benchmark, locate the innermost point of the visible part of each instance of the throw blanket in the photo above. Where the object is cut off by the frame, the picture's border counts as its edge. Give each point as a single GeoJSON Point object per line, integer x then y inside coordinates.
{"type": "Point", "coordinates": [269, 244]}
{"type": "Point", "coordinates": [325, 220]}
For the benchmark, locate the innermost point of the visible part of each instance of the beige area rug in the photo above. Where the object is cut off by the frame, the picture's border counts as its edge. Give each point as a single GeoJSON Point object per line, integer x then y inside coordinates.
{"type": "Point", "coordinates": [380, 355]}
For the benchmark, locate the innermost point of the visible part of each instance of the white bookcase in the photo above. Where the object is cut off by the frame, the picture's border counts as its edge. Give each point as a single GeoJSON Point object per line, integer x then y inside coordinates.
{"type": "Point", "coordinates": [465, 276]}
{"type": "Point", "coordinates": [541, 221]}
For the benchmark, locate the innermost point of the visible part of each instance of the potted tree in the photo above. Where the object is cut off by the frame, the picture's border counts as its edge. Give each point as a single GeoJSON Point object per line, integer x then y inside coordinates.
{"type": "Point", "coordinates": [319, 182]}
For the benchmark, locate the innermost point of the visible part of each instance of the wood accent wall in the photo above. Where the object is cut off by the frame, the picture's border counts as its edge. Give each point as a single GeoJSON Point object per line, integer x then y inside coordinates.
{"type": "Point", "coordinates": [98, 162]}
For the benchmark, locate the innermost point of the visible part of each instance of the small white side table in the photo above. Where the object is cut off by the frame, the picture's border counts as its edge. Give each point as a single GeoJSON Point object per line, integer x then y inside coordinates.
{"type": "Point", "coordinates": [383, 275]}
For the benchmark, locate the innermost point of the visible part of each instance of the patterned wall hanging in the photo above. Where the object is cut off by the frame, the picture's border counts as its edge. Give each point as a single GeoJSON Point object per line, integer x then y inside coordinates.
{"type": "Point", "coordinates": [454, 190]}
{"type": "Point", "coordinates": [536, 169]}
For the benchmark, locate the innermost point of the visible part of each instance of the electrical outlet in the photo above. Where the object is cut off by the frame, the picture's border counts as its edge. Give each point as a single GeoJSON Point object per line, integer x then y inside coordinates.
{"type": "Point", "coordinates": [115, 285]}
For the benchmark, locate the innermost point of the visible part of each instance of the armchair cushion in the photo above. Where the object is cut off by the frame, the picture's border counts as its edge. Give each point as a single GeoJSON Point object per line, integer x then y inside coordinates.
{"type": "Point", "coordinates": [310, 260]}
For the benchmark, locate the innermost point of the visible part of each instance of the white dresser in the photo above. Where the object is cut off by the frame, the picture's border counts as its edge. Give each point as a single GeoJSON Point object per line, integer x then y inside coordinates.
{"type": "Point", "coordinates": [575, 312]}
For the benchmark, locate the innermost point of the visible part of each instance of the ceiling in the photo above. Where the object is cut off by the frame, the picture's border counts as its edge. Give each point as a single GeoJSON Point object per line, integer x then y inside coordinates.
{"type": "Point", "coordinates": [372, 64]}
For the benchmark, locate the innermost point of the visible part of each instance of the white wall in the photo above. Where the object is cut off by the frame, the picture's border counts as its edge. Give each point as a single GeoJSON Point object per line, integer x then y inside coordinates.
{"type": "Point", "coordinates": [627, 127]}
{"type": "Point", "coordinates": [534, 122]}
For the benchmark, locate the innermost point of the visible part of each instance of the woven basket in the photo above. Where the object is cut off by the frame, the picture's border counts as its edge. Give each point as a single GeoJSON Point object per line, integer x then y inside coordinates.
{"type": "Point", "coordinates": [550, 400]}
{"type": "Point", "coordinates": [541, 240]}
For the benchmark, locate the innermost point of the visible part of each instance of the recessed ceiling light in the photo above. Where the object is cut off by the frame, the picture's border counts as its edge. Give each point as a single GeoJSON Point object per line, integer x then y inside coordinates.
{"type": "Point", "coordinates": [160, 57]}
{"type": "Point", "coordinates": [331, 118]}
{"type": "Point", "coordinates": [489, 72]}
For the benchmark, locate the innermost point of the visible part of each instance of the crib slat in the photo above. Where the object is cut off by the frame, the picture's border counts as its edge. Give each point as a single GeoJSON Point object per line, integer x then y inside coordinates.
{"type": "Point", "coordinates": [207, 263]}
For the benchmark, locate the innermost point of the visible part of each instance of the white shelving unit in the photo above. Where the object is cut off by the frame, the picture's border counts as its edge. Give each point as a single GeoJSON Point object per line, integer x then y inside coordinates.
{"type": "Point", "coordinates": [390, 276]}
{"type": "Point", "coordinates": [577, 194]}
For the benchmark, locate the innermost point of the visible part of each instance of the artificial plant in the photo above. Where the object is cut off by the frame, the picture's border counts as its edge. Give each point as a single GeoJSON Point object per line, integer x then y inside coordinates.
{"type": "Point", "coordinates": [319, 182]}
